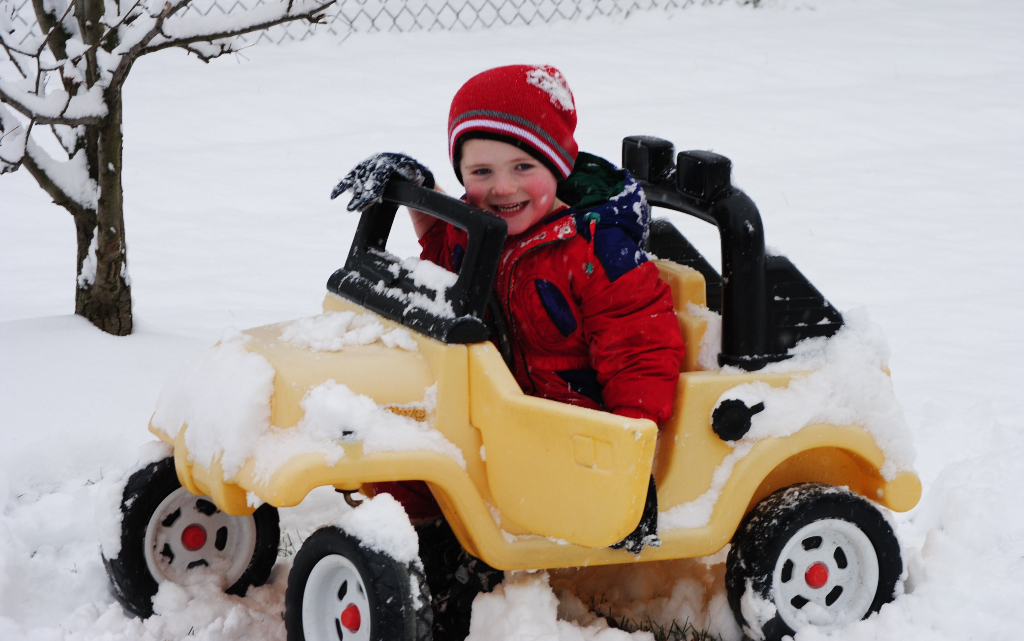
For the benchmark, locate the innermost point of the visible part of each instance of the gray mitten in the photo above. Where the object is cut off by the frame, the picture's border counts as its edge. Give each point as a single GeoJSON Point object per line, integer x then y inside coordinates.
{"type": "Point", "coordinates": [368, 178]}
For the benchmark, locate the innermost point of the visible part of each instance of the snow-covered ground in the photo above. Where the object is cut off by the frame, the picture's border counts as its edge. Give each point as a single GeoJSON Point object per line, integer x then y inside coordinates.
{"type": "Point", "coordinates": [882, 141]}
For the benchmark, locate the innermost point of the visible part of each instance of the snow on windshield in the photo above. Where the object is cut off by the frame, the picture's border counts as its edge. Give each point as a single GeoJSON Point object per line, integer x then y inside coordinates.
{"type": "Point", "coordinates": [435, 279]}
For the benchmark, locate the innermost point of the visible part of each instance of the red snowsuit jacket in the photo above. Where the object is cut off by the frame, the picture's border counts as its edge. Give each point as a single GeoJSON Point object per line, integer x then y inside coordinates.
{"type": "Point", "coordinates": [591, 322]}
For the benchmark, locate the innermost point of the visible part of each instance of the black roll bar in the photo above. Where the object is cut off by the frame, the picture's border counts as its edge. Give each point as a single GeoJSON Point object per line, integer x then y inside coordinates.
{"type": "Point", "coordinates": [699, 183]}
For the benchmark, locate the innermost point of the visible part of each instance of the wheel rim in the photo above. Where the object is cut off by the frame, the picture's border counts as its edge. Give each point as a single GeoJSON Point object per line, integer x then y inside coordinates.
{"type": "Point", "coordinates": [188, 532]}
{"type": "Point", "coordinates": [826, 576]}
{"type": "Point", "coordinates": [335, 606]}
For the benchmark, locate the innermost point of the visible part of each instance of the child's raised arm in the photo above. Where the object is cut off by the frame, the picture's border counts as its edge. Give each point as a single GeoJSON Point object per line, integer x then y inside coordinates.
{"type": "Point", "coordinates": [422, 222]}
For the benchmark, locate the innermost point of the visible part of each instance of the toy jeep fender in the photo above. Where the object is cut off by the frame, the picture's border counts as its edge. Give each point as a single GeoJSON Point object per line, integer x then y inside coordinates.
{"type": "Point", "coordinates": [540, 484]}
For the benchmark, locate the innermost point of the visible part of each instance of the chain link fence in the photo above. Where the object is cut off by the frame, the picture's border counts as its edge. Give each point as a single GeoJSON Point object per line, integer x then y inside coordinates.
{"type": "Point", "coordinates": [369, 16]}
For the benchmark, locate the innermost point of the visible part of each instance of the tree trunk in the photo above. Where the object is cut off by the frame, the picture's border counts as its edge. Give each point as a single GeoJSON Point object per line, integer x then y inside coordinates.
{"type": "Point", "coordinates": [104, 295]}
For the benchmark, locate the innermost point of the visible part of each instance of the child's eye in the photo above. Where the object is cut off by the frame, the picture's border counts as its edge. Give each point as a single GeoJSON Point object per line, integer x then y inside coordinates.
{"type": "Point", "coordinates": [481, 171]}
{"type": "Point", "coordinates": [524, 166]}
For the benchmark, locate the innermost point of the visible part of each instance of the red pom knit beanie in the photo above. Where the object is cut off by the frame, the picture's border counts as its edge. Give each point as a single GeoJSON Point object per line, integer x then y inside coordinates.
{"type": "Point", "coordinates": [528, 106]}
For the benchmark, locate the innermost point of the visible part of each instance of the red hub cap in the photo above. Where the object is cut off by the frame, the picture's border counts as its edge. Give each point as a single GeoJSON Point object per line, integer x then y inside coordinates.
{"type": "Point", "coordinates": [350, 618]}
{"type": "Point", "coordinates": [816, 575]}
{"type": "Point", "coordinates": [193, 537]}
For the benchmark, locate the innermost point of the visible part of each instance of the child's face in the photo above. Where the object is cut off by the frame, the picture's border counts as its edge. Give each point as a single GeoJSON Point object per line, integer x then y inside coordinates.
{"type": "Point", "coordinates": [507, 181]}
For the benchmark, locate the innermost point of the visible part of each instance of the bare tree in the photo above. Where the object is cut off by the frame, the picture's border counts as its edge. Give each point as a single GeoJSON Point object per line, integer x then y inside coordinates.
{"type": "Point", "coordinates": [67, 83]}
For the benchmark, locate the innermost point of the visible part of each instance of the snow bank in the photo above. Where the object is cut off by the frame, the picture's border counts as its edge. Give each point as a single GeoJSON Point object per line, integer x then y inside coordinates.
{"type": "Point", "coordinates": [848, 386]}
{"type": "Point", "coordinates": [524, 608]}
{"type": "Point", "coordinates": [334, 331]}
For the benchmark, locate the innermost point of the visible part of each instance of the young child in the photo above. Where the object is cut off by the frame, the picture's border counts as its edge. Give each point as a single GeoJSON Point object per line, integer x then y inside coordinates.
{"type": "Point", "coordinates": [590, 321]}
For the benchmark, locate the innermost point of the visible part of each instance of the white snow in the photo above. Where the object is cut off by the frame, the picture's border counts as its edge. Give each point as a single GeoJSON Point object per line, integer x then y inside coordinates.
{"type": "Point", "coordinates": [553, 84]}
{"type": "Point", "coordinates": [427, 274]}
{"type": "Point", "coordinates": [333, 331]}
{"type": "Point", "coordinates": [524, 608]}
{"type": "Point", "coordinates": [224, 397]}
{"type": "Point", "coordinates": [880, 140]}
{"type": "Point", "coordinates": [217, 22]}
{"type": "Point", "coordinates": [71, 176]}
{"type": "Point", "coordinates": [333, 412]}
{"type": "Point", "coordinates": [434, 278]}
{"type": "Point", "coordinates": [757, 611]}
{"type": "Point", "coordinates": [381, 525]}
{"type": "Point", "coordinates": [88, 274]}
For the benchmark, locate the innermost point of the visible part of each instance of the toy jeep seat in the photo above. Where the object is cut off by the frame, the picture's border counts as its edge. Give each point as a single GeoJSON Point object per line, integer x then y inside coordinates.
{"type": "Point", "coordinates": [687, 285]}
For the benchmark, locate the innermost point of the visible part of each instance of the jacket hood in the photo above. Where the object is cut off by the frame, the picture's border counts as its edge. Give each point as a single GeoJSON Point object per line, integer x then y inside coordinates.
{"type": "Point", "coordinates": [610, 204]}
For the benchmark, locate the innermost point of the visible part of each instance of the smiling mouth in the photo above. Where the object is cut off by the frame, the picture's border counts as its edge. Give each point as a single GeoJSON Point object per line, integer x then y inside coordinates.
{"type": "Point", "coordinates": [510, 209]}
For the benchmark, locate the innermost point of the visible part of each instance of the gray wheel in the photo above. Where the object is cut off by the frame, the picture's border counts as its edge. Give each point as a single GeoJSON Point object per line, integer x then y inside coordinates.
{"type": "Point", "coordinates": [188, 531]}
{"type": "Point", "coordinates": [821, 555]}
{"type": "Point", "coordinates": [168, 532]}
{"type": "Point", "coordinates": [335, 604]}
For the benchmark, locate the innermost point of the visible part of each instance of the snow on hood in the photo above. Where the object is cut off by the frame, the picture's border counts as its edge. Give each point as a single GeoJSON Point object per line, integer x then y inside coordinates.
{"type": "Point", "coordinates": [333, 331]}
{"type": "Point", "coordinates": [847, 385]}
{"type": "Point", "coordinates": [224, 396]}
{"type": "Point", "coordinates": [335, 414]}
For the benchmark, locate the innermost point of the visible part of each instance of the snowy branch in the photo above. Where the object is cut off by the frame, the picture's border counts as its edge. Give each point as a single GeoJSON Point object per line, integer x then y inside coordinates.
{"type": "Point", "coordinates": [68, 183]}
{"type": "Point", "coordinates": [13, 136]}
{"type": "Point", "coordinates": [67, 81]}
{"type": "Point", "coordinates": [130, 14]}
{"type": "Point", "coordinates": [52, 30]}
{"type": "Point", "coordinates": [56, 107]}
{"type": "Point", "coordinates": [184, 32]}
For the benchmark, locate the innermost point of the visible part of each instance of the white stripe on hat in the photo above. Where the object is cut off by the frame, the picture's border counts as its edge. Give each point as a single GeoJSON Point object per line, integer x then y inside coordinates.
{"type": "Point", "coordinates": [504, 127]}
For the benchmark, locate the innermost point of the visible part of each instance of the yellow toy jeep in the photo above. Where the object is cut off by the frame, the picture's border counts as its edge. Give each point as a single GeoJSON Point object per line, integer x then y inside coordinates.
{"type": "Point", "coordinates": [398, 380]}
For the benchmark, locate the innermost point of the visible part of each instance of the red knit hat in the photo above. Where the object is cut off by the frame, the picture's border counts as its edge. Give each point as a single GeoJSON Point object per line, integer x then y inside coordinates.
{"type": "Point", "coordinates": [528, 106]}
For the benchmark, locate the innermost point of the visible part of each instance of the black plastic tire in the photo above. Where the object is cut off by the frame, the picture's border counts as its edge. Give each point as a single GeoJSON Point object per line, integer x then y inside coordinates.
{"type": "Point", "coordinates": [454, 576]}
{"type": "Point", "coordinates": [820, 555]}
{"type": "Point", "coordinates": [333, 576]}
{"type": "Point", "coordinates": [153, 544]}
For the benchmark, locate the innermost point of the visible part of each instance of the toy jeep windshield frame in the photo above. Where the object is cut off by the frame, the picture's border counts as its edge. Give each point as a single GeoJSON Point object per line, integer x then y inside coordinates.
{"type": "Point", "coordinates": [378, 281]}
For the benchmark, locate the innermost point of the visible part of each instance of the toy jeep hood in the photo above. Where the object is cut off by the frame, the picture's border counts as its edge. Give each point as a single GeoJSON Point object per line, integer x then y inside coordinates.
{"type": "Point", "coordinates": [390, 376]}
